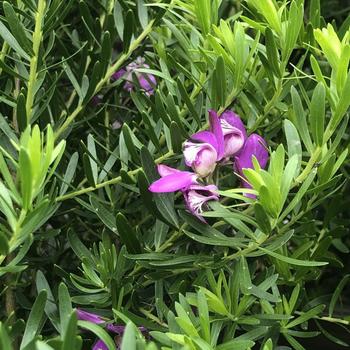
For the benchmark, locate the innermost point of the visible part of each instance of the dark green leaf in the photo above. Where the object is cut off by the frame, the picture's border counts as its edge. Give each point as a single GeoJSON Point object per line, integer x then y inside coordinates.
{"type": "Point", "coordinates": [262, 218]}
{"type": "Point", "coordinates": [128, 30]}
{"type": "Point", "coordinates": [176, 138]}
{"type": "Point", "coordinates": [292, 261]}
{"type": "Point", "coordinates": [10, 39]}
{"type": "Point", "coordinates": [127, 234]}
{"type": "Point", "coordinates": [4, 244]}
{"type": "Point", "coordinates": [99, 332]}
{"type": "Point", "coordinates": [34, 319]}
{"type": "Point", "coordinates": [65, 310]}
{"type": "Point", "coordinates": [17, 28]}
{"type": "Point", "coordinates": [272, 52]}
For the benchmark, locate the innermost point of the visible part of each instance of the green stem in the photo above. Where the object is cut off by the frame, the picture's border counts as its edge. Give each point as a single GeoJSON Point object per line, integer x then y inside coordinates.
{"type": "Point", "coordinates": [5, 47]}
{"type": "Point", "coordinates": [37, 38]}
{"type": "Point", "coordinates": [327, 319]}
{"type": "Point", "coordinates": [134, 45]}
{"type": "Point", "coordinates": [12, 243]}
{"type": "Point", "coordinates": [10, 303]}
{"type": "Point", "coordinates": [113, 181]}
{"type": "Point", "coordinates": [311, 163]}
{"type": "Point", "coordinates": [268, 107]}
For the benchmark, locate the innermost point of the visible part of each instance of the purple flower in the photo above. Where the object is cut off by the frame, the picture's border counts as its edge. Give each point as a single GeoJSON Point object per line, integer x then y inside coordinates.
{"type": "Point", "coordinates": [205, 148]}
{"type": "Point", "coordinates": [88, 316]}
{"type": "Point", "coordinates": [256, 146]}
{"type": "Point", "coordinates": [112, 327]}
{"type": "Point", "coordinates": [147, 81]}
{"type": "Point", "coordinates": [234, 133]}
{"type": "Point", "coordinates": [118, 74]}
{"type": "Point", "coordinates": [118, 329]}
{"type": "Point", "coordinates": [197, 196]}
{"type": "Point", "coordinates": [172, 180]}
{"type": "Point", "coordinates": [100, 345]}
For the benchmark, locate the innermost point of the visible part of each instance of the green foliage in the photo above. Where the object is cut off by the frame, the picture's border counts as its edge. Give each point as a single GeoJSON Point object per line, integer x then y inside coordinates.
{"type": "Point", "coordinates": [78, 150]}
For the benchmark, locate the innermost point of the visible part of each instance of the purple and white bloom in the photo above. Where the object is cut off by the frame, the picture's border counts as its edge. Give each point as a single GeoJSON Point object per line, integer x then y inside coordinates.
{"type": "Point", "coordinates": [147, 81]}
{"type": "Point", "coordinates": [255, 146]}
{"type": "Point", "coordinates": [197, 196]}
{"type": "Point", "coordinates": [234, 133]}
{"type": "Point", "coordinates": [172, 180]}
{"type": "Point", "coordinates": [205, 148]}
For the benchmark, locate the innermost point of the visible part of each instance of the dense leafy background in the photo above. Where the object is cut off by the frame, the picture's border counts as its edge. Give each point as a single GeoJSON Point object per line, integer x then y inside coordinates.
{"type": "Point", "coordinates": [78, 227]}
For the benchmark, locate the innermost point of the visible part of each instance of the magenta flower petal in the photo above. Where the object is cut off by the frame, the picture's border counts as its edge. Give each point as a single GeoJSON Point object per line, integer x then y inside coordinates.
{"type": "Point", "coordinates": [118, 329]}
{"type": "Point", "coordinates": [164, 170]}
{"type": "Point", "coordinates": [201, 157]}
{"type": "Point", "coordinates": [100, 345]}
{"type": "Point", "coordinates": [234, 133]}
{"type": "Point", "coordinates": [206, 137]}
{"type": "Point", "coordinates": [256, 146]}
{"type": "Point", "coordinates": [147, 82]}
{"type": "Point", "coordinates": [196, 197]}
{"type": "Point", "coordinates": [88, 316]}
{"type": "Point", "coordinates": [115, 328]}
{"type": "Point", "coordinates": [234, 120]}
{"type": "Point", "coordinates": [173, 182]}
{"type": "Point", "coordinates": [216, 129]}
{"type": "Point", "coordinates": [117, 75]}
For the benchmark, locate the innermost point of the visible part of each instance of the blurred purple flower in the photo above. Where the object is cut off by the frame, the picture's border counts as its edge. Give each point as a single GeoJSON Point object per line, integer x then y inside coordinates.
{"type": "Point", "coordinates": [118, 74]}
{"type": "Point", "coordinates": [234, 133]}
{"type": "Point", "coordinates": [172, 180]}
{"type": "Point", "coordinates": [96, 100]}
{"type": "Point", "coordinates": [256, 146]}
{"type": "Point", "coordinates": [205, 148]}
{"type": "Point", "coordinates": [197, 196]}
{"type": "Point", "coordinates": [100, 345]}
{"type": "Point", "coordinates": [88, 316]}
{"type": "Point", "coordinates": [114, 328]}
{"type": "Point", "coordinates": [147, 81]}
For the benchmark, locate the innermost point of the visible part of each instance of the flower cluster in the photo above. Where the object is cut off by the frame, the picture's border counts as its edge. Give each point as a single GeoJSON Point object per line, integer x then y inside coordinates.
{"type": "Point", "coordinates": [226, 139]}
{"type": "Point", "coordinates": [111, 327]}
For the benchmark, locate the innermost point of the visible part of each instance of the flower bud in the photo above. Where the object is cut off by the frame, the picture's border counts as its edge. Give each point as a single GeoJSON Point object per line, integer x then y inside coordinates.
{"type": "Point", "coordinates": [234, 133]}
{"type": "Point", "coordinates": [201, 157]}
